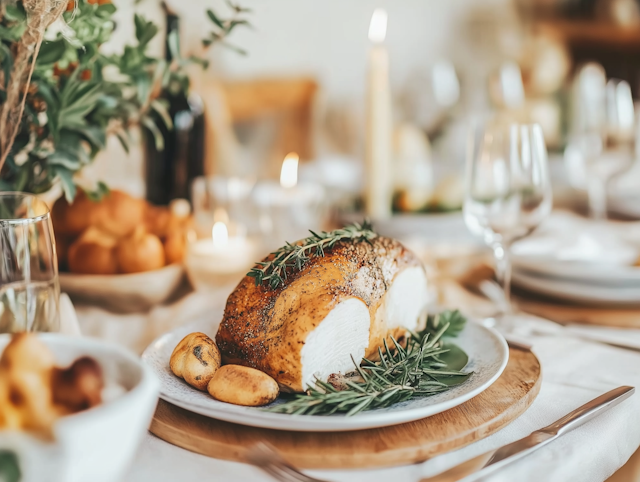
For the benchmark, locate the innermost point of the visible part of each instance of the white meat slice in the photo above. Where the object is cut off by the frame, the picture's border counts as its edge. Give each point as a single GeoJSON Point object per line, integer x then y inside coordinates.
{"type": "Point", "coordinates": [342, 334]}
{"type": "Point", "coordinates": [403, 303]}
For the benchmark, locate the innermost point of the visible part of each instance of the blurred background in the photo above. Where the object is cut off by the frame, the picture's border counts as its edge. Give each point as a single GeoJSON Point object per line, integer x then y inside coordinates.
{"type": "Point", "coordinates": [301, 85]}
{"type": "Point", "coordinates": [310, 115]}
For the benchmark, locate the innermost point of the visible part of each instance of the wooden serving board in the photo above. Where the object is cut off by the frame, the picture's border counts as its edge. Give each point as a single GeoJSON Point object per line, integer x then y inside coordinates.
{"type": "Point", "coordinates": [402, 444]}
{"type": "Point", "coordinates": [618, 317]}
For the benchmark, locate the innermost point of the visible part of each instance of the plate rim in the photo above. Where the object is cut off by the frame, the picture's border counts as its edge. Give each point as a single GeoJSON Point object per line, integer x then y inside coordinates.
{"type": "Point", "coordinates": [569, 290]}
{"type": "Point", "coordinates": [593, 274]}
{"type": "Point", "coordinates": [362, 421]}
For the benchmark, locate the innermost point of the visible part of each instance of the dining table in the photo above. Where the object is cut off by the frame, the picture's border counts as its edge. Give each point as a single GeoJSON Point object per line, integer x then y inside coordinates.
{"type": "Point", "coordinates": [575, 370]}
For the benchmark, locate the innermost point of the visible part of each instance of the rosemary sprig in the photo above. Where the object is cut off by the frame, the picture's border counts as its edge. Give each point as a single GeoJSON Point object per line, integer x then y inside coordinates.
{"type": "Point", "coordinates": [400, 374]}
{"type": "Point", "coordinates": [273, 272]}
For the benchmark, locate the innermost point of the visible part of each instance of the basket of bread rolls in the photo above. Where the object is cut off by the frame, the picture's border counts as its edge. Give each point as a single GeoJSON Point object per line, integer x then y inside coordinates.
{"type": "Point", "coordinates": [120, 252]}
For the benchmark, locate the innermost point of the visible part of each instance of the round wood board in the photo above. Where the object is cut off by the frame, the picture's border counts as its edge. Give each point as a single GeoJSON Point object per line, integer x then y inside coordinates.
{"type": "Point", "coordinates": [618, 317]}
{"type": "Point", "coordinates": [403, 444]}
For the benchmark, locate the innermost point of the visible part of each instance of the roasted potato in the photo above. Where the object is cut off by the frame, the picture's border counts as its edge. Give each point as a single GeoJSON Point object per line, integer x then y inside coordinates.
{"type": "Point", "coordinates": [242, 386]}
{"type": "Point", "coordinates": [195, 359]}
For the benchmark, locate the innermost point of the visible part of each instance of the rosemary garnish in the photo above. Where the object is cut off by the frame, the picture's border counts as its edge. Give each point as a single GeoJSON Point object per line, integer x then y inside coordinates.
{"type": "Point", "coordinates": [273, 272]}
{"type": "Point", "coordinates": [401, 374]}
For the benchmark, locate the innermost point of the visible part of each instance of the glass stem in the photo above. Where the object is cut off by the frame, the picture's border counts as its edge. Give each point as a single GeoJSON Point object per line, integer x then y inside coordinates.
{"type": "Point", "coordinates": [597, 193]}
{"type": "Point", "coordinates": [503, 275]}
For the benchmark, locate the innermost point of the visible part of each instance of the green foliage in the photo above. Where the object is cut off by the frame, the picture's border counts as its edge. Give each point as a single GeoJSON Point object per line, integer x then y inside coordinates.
{"type": "Point", "coordinates": [425, 366]}
{"type": "Point", "coordinates": [9, 467]}
{"type": "Point", "coordinates": [293, 256]}
{"type": "Point", "coordinates": [78, 96]}
{"type": "Point", "coordinates": [453, 319]}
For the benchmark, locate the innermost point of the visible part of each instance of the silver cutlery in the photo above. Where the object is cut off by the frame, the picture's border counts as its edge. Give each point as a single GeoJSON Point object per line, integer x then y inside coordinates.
{"type": "Point", "coordinates": [266, 458]}
{"type": "Point", "coordinates": [494, 460]}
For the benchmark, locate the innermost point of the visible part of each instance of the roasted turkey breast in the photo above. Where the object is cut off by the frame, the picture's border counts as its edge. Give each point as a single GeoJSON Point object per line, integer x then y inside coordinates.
{"type": "Point", "coordinates": [333, 312]}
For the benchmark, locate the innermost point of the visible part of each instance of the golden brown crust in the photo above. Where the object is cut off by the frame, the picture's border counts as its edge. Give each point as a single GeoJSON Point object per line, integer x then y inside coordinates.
{"type": "Point", "coordinates": [266, 329]}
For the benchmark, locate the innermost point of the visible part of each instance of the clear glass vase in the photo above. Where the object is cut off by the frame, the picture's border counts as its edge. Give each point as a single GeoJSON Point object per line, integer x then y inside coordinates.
{"type": "Point", "coordinates": [29, 287]}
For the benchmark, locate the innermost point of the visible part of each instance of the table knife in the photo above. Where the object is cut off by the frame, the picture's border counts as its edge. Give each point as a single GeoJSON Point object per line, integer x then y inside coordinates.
{"type": "Point", "coordinates": [489, 462]}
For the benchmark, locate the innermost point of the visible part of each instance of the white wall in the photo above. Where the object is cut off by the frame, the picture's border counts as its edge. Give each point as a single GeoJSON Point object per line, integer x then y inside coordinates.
{"type": "Point", "coordinates": [328, 38]}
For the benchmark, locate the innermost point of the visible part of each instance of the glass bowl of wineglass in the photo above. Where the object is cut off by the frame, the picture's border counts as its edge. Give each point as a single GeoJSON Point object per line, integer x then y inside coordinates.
{"type": "Point", "coordinates": [507, 191]}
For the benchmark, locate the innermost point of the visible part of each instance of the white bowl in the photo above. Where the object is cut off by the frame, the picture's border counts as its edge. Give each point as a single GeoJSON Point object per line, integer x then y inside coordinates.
{"type": "Point", "coordinates": [94, 445]}
{"type": "Point", "coordinates": [124, 292]}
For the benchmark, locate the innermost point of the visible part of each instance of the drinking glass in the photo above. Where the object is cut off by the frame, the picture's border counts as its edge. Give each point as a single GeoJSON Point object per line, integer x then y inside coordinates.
{"type": "Point", "coordinates": [602, 139]}
{"type": "Point", "coordinates": [29, 289]}
{"type": "Point", "coordinates": [508, 191]}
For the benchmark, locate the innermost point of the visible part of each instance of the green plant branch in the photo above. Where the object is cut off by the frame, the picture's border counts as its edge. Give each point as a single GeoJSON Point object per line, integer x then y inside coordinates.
{"type": "Point", "coordinates": [274, 271]}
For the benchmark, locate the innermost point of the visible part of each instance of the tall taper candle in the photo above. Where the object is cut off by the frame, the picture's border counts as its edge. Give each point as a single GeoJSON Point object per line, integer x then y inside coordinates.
{"type": "Point", "coordinates": [379, 123]}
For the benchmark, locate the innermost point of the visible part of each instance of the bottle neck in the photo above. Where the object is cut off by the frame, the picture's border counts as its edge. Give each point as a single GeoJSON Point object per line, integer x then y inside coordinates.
{"type": "Point", "coordinates": [173, 25]}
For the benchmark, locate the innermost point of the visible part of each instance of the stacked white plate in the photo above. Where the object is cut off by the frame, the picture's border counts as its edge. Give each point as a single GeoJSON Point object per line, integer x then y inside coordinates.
{"type": "Point", "coordinates": [580, 260]}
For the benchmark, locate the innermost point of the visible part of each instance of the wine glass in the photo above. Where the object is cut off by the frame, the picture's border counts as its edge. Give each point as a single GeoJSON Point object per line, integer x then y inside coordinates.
{"type": "Point", "coordinates": [602, 139]}
{"type": "Point", "coordinates": [508, 191]}
{"type": "Point", "coordinates": [29, 288]}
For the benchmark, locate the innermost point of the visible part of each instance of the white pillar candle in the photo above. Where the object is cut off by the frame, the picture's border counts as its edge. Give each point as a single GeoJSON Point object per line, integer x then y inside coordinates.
{"type": "Point", "coordinates": [212, 261]}
{"type": "Point", "coordinates": [379, 123]}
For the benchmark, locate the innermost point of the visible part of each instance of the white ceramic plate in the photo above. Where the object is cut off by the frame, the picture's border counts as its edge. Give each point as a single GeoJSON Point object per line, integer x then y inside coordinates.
{"type": "Point", "coordinates": [582, 291]}
{"type": "Point", "coordinates": [488, 356]}
{"type": "Point", "coordinates": [601, 274]}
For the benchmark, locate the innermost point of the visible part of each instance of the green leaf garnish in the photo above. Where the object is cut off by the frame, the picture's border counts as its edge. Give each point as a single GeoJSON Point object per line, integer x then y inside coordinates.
{"type": "Point", "coordinates": [272, 273]}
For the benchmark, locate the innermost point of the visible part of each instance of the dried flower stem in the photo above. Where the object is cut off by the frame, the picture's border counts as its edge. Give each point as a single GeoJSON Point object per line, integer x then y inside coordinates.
{"type": "Point", "coordinates": [40, 14]}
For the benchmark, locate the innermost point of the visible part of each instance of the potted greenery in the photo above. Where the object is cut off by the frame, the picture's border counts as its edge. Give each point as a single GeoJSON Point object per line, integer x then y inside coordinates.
{"type": "Point", "coordinates": [60, 97]}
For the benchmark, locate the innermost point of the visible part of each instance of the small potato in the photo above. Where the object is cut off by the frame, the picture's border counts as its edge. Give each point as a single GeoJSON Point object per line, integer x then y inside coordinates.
{"type": "Point", "coordinates": [195, 359]}
{"type": "Point", "coordinates": [242, 386]}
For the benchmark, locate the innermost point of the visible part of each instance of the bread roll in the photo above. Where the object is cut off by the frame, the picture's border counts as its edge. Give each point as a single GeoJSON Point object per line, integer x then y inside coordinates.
{"type": "Point", "coordinates": [139, 252]}
{"type": "Point", "coordinates": [93, 253]}
{"type": "Point", "coordinates": [175, 247]}
{"type": "Point", "coordinates": [73, 219]}
{"type": "Point", "coordinates": [195, 359]}
{"type": "Point", "coordinates": [157, 220]}
{"type": "Point", "coordinates": [119, 213]}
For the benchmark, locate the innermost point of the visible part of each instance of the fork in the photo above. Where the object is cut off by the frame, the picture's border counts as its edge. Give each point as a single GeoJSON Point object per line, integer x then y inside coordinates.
{"type": "Point", "coordinates": [266, 458]}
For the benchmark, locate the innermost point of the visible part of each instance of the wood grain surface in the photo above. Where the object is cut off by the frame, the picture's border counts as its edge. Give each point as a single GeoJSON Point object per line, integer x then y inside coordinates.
{"type": "Point", "coordinates": [619, 317]}
{"type": "Point", "coordinates": [402, 444]}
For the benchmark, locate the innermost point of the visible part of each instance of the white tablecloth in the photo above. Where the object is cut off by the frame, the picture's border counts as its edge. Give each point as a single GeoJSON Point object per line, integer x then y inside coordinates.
{"type": "Point", "coordinates": [574, 372]}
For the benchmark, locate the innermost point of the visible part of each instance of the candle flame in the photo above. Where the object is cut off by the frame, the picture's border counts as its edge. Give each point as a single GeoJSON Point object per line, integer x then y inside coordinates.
{"type": "Point", "coordinates": [289, 172]}
{"type": "Point", "coordinates": [220, 234]}
{"type": "Point", "coordinates": [378, 26]}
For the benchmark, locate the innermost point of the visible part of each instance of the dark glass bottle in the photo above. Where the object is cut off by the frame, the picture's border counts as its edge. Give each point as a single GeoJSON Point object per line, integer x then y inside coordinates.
{"type": "Point", "coordinates": [170, 171]}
